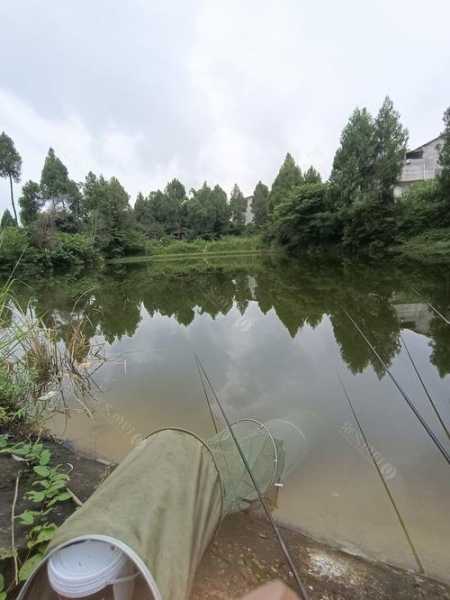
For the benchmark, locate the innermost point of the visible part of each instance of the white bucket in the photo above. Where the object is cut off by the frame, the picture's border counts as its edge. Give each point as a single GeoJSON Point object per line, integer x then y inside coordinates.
{"type": "Point", "coordinates": [85, 569]}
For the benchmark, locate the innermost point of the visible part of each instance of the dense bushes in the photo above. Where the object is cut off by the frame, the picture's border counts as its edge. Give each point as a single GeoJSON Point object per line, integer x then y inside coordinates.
{"type": "Point", "coordinates": [422, 207]}
{"type": "Point", "coordinates": [369, 224]}
{"type": "Point", "coordinates": [227, 244]}
{"type": "Point", "coordinates": [13, 244]}
{"type": "Point", "coordinates": [59, 251]}
{"type": "Point", "coordinates": [306, 220]}
{"type": "Point", "coordinates": [431, 246]}
{"type": "Point", "coordinates": [72, 249]}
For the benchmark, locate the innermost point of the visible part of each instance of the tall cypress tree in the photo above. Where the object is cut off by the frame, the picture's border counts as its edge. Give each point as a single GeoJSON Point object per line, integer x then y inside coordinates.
{"type": "Point", "coordinates": [444, 159]}
{"type": "Point", "coordinates": [114, 217]}
{"type": "Point", "coordinates": [260, 204]}
{"type": "Point", "coordinates": [390, 147]}
{"type": "Point", "coordinates": [220, 208]}
{"type": "Point", "coordinates": [312, 176]}
{"type": "Point", "coordinates": [10, 166]}
{"type": "Point", "coordinates": [7, 220]}
{"type": "Point", "coordinates": [54, 179]}
{"type": "Point", "coordinates": [354, 162]}
{"type": "Point", "coordinates": [288, 178]}
{"type": "Point", "coordinates": [238, 207]}
{"type": "Point", "coordinates": [30, 202]}
{"type": "Point", "coordinates": [139, 208]}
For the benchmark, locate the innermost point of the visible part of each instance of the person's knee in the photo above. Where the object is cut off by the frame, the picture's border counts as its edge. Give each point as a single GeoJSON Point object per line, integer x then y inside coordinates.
{"type": "Point", "coordinates": [275, 590]}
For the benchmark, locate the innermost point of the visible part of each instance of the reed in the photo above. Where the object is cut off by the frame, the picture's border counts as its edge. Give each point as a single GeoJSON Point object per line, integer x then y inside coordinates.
{"type": "Point", "coordinates": [38, 372]}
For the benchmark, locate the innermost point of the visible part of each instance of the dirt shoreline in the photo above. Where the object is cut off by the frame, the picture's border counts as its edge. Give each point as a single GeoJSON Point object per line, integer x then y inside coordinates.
{"type": "Point", "coordinates": [244, 553]}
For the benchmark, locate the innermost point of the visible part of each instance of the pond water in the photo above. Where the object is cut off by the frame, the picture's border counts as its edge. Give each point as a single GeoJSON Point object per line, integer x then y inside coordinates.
{"type": "Point", "coordinates": [274, 339]}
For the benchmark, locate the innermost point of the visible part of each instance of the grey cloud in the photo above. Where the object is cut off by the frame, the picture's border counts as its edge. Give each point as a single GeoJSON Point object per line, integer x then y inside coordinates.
{"type": "Point", "coordinates": [208, 90]}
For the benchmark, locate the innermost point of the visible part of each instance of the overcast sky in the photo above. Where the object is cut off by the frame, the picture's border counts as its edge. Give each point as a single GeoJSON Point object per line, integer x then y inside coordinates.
{"type": "Point", "coordinates": [211, 90]}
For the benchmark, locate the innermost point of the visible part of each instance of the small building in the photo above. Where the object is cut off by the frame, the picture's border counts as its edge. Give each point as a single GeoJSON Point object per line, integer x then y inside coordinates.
{"type": "Point", "coordinates": [421, 164]}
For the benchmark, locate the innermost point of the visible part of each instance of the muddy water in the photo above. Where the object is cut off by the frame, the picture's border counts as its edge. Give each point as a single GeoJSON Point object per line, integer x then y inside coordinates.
{"type": "Point", "coordinates": [273, 337]}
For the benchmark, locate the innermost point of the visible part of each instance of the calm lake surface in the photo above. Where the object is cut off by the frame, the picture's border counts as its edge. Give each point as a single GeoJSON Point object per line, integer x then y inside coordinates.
{"type": "Point", "coordinates": [273, 337]}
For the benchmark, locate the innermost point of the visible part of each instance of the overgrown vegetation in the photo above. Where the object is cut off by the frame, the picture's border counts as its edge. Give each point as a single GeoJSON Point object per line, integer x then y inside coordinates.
{"type": "Point", "coordinates": [432, 246]}
{"type": "Point", "coordinates": [37, 371]}
{"type": "Point", "coordinates": [38, 376]}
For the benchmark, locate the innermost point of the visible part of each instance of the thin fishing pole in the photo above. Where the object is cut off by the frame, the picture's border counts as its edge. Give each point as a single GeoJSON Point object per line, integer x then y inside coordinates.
{"type": "Point", "coordinates": [411, 405]}
{"type": "Point", "coordinates": [425, 389]}
{"type": "Point", "coordinates": [205, 393]}
{"type": "Point", "coordinates": [275, 527]}
{"type": "Point", "coordinates": [382, 479]}
{"type": "Point", "coordinates": [433, 308]}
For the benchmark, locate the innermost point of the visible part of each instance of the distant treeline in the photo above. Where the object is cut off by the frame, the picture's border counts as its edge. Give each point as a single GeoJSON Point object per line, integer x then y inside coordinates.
{"type": "Point", "coordinates": [64, 222]}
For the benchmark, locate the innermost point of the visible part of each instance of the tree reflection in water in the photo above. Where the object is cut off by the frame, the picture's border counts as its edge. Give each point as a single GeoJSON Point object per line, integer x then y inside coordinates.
{"type": "Point", "coordinates": [300, 294]}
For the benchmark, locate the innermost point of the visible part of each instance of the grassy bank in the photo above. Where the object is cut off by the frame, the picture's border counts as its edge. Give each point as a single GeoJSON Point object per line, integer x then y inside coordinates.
{"type": "Point", "coordinates": [174, 249]}
{"type": "Point", "coordinates": [431, 246]}
{"type": "Point", "coordinates": [38, 374]}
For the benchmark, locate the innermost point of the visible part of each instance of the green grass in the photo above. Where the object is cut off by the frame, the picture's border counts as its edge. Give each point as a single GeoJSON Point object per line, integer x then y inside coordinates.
{"type": "Point", "coordinates": [186, 265]}
{"type": "Point", "coordinates": [176, 249]}
{"type": "Point", "coordinates": [431, 246]}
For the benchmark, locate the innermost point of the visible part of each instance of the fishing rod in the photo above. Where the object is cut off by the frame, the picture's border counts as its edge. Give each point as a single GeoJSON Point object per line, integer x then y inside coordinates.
{"type": "Point", "coordinates": [380, 475]}
{"type": "Point", "coordinates": [433, 308]}
{"type": "Point", "coordinates": [411, 405]}
{"type": "Point", "coordinates": [425, 389]}
{"type": "Point", "coordinates": [275, 527]}
{"type": "Point", "coordinates": [205, 393]}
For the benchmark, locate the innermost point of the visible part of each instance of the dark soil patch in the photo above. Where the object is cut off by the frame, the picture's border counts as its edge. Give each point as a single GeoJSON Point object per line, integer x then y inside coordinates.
{"type": "Point", "coordinates": [84, 478]}
{"type": "Point", "coordinates": [245, 555]}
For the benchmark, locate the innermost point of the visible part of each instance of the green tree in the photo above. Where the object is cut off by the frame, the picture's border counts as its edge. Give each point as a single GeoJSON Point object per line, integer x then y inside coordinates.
{"type": "Point", "coordinates": [74, 199]}
{"type": "Point", "coordinates": [219, 210]}
{"type": "Point", "coordinates": [7, 220]}
{"type": "Point", "coordinates": [108, 214]}
{"type": "Point", "coordinates": [10, 166]}
{"type": "Point", "coordinates": [206, 212]}
{"type": "Point", "coordinates": [260, 204]}
{"type": "Point", "coordinates": [139, 208]}
{"type": "Point", "coordinates": [390, 148]}
{"type": "Point", "coordinates": [93, 188]}
{"type": "Point", "coordinates": [143, 215]}
{"type": "Point", "coordinates": [176, 190]}
{"type": "Point", "coordinates": [306, 219]}
{"type": "Point", "coordinates": [370, 225]}
{"type": "Point", "coordinates": [444, 160]}
{"type": "Point", "coordinates": [238, 208]}
{"type": "Point", "coordinates": [159, 209]}
{"type": "Point", "coordinates": [113, 217]}
{"type": "Point", "coordinates": [312, 176]}
{"type": "Point", "coordinates": [54, 179]}
{"type": "Point", "coordinates": [354, 161]}
{"type": "Point", "coordinates": [58, 187]}
{"type": "Point", "coordinates": [175, 194]}
{"type": "Point", "coordinates": [95, 199]}
{"type": "Point", "coordinates": [30, 202]}
{"type": "Point", "coordinates": [289, 177]}
{"type": "Point", "coordinates": [199, 218]}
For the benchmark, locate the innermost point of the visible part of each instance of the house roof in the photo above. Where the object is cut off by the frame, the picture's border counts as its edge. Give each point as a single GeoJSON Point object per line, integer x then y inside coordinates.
{"type": "Point", "coordinates": [426, 144]}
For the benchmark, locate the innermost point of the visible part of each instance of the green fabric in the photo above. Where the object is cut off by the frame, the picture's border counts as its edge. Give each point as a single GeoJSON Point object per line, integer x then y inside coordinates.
{"type": "Point", "coordinates": [164, 501]}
